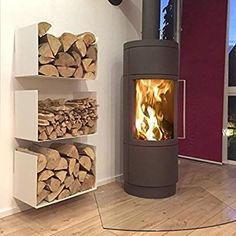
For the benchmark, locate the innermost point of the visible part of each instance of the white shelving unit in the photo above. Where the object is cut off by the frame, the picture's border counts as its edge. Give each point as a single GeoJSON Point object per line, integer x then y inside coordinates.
{"type": "Point", "coordinates": [26, 116]}
{"type": "Point", "coordinates": [26, 113]}
{"type": "Point", "coordinates": [25, 182]}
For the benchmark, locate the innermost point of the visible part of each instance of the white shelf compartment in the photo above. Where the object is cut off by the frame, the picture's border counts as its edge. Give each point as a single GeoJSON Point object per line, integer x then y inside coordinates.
{"type": "Point", "coordinates": [26, 113]}
{"type": "Point", "coordinates": [25, 180]}
{"type": "Point", "coordinates": [26, 55]}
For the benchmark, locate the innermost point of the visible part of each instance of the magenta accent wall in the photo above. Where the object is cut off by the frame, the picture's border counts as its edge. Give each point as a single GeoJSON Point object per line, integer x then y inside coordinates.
{"type": "Point", "coordinates": [202, 60]}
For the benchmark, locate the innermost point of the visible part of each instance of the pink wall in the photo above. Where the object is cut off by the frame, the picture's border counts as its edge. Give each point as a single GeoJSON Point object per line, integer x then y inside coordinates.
{"type": "Point", "coordinates": [202, 66]}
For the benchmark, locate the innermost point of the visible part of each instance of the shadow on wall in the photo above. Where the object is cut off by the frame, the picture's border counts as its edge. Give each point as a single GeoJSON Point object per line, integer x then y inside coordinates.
{"type": "Point", "coordinates": [117, 101]}
{"type": "Point", "coordinates": [132, 13]}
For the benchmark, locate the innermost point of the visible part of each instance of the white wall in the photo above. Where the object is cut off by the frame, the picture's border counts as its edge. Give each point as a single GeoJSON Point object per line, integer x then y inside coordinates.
{"type": "Point", "coordinates": [113, 28]}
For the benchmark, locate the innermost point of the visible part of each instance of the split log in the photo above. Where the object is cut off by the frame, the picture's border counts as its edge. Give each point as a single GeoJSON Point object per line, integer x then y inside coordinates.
{"type": "Point", "coordinates": [47, 117]}
{"type": "Point", "coordinates": [49, 130]}
{"type": "Point", "coordinates": [53, 184]}
{"type": "Point", "coordinates": [65, 59]}
{"type": "Point", "coordinates": [92, 53]}
{"type": "Point", "coordinates": [43, 122]}
{"type": "Point", "coordinates": [40, 186]}
{"type": "Point", "coordinates": [68, 150]}
{"type": "Point", "coordinates": [59, 131]}
{"type": "Point", "coordinates": [45, 50]}
{"type": "Point", "coordinates": [79, 73]}
{"type": "Point", "coordinates": [63, 129]}
{"type": "Point", "coordinates": [88, 183]}
{"type": "Point", "coordinates": [76, 170]}
{"type": "Point", "coordinates": [75, 187]}
{"type": "Point", "coordinates": [53, 135]}
{"type": "Point", "coordinates": [91, 123]}
{"type": "Point", "coordinates": [75, 132]}
{"type": "Point", "coordinates": [82, 175]}
{"type": "Point", "coordinates": [66, 71]}
{"type": "Point", "coordinates": [41, 162]}
{"type": "Point", "coordinates": [52, 196]}
{"type": "Point", "coordinates": [88, 37]}
{"type": "Point", "coordinates": [72, 163]}
{"type": "Point", "coordinates": [77, 125]}
{"type": "Point", "coordinates": [53, 42]}
{"type": "Point", "coordinates": [43, 28]}
{"type": "Point", "coordinates": [89, 76]}
{"type": "Point", "coordinates": [69, 180]}
{"type": "Point", "coordinates": [80, 47]}
{"type": "Point", "coordinates": [86, 63]}
{"type": "Point", "coordinates": [63, 164]}
{"type": "Point", "coordinates": [53, 156]}
{"type": "Point", "coordinates": [85, 161]}
{"type": "Point", "coordinates": [48, 70]}
{"type": "Point", "coordinates": [92, 67]}
{"type": "Point", "coordinates": [43, 136]}
{"type": "Point", "coordinates": [64, 194]}
{"type": "Point", "coordinates": [86, 130]}
{"type": "Point", "coordinates": [61, 175]}
{"type": "Point", "coordinates": [41, 129]}
{"type": "Point", "coordinates": [67, 39]}
{"type": "Point", "coordinates": [45, 175]}
{"type": "Point", "coordinates": [42, 196]}
{"type": "Point", "coordinates": [87, 151]}
{"type": "Point", "coordinates": [77, 57]}
{"type": "Point", "coordinates": [45, 60]}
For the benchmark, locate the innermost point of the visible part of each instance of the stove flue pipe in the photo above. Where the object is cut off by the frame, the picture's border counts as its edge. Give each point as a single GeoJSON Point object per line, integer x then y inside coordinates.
{"type": "Point", "coordinates": [151, 19]}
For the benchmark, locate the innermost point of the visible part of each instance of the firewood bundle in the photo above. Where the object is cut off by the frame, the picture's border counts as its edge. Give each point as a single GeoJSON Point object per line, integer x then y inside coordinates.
{"type": "Point", "coordinates": [68, 55]}
{"type": "Point", "coordinates": [63, 170]}
{"type": "Point", "coordinates": [62, 118]}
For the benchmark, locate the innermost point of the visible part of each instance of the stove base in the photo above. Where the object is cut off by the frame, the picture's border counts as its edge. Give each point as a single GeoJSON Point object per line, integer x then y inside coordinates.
{"type": "Point", "coordinates": [150, 192]}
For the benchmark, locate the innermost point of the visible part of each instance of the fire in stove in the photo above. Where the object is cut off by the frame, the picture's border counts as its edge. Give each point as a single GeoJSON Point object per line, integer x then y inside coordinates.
{"type": "Point", "coordinates": [154, 119]}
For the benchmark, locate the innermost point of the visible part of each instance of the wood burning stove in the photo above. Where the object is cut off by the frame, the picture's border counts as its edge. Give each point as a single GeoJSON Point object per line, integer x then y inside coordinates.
{"type": "Point", "coordinates": [150, 110]}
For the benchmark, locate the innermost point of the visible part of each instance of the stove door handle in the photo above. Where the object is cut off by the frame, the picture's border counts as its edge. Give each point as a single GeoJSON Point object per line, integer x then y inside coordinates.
{"type": "Point", "coordinates": [184, 109]}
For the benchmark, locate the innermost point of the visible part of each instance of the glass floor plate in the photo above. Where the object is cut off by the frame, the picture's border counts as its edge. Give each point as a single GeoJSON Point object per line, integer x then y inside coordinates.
{"type": "Point", "coordinates": [190, 208]}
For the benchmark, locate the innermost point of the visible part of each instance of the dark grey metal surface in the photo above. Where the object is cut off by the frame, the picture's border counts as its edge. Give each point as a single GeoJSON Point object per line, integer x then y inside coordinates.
{"type": "Point", "coordinates": [151, 57]}
{"type": "Point", "coordinates": [148, 192]}
{"type": "Point", "coordinates": [150, 167]}
{"type": "Point", "coordinates": [153, 166]}
{"type": "Point", "coordinates": [151, 19]}
{"type": "Point", "coordinates": [115, 2]}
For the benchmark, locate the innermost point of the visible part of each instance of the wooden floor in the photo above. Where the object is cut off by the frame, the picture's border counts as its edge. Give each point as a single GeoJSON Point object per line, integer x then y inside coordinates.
{"type": "Point", "coordinates": [80, 216]}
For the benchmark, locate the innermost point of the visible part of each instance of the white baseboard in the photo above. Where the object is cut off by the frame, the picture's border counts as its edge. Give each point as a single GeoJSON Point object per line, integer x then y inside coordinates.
{"type": "Point", "coordinates": [230, 162]}
{"type": "Point", "coordinates": [10, 211]}
{"type": "Point", "coordinates": [201, 160]}
{"type": "Point", "coordinates": [110, 180]}
{"type": "Point", "coordinates": [23, 207]}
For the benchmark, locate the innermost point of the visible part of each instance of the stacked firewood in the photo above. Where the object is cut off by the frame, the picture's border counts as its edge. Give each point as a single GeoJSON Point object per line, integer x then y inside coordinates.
{"type": "Point", "coordinates": [63, 170]}
{"type": "Point", "coordinates": [68, 55]}
{"type": "Point", "coordinates": [60, 118]}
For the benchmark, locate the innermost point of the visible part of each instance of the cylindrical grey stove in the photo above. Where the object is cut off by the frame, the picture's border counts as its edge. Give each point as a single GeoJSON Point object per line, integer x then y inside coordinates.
{"type": "Point", "coordinates": [150, 118]}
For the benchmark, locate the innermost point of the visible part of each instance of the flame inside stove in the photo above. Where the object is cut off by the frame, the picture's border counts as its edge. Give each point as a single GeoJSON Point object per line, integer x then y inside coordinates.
{"type": "Point", "coordinates": [154, 109]}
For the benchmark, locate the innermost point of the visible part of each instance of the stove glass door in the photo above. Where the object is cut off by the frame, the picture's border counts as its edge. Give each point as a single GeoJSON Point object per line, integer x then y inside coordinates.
{"type": "Point", "coordinates": [154, 109]}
